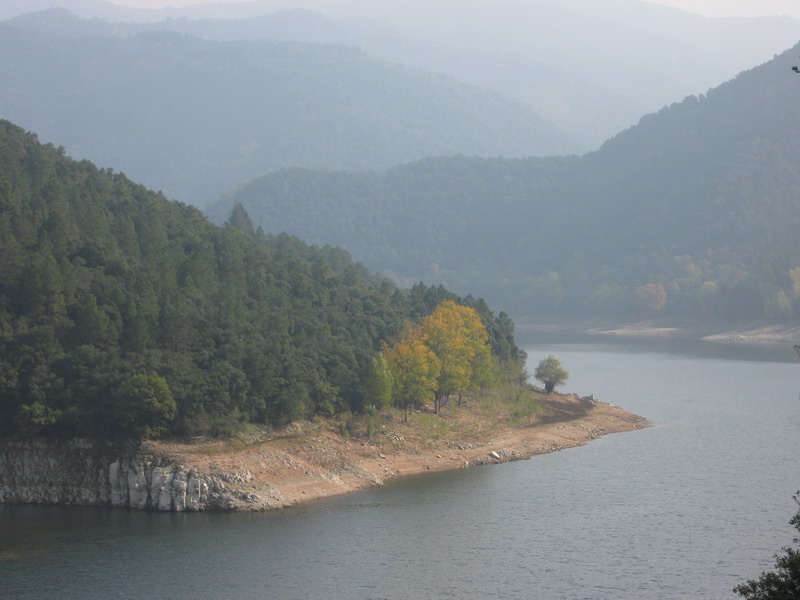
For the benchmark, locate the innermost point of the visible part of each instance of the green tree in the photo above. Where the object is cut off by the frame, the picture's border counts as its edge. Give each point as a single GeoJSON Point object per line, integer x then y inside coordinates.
{"type": "Point", "coordinates": [239, 219]}
{"type": "Point", "coordinates": [484, 368]}
{"type": "Point", "coordinates": [378, 387]}
{"type": "Point", "coordinates": [784, 582]}
{"type": "Point", "coordinates": [144, 406]}
{"type": "Point", "coordinates": [551, 373]}
{"type": "Point", "coordinates": [92, 325]}
{"type": "Point", "coordinates": [33, 418]}
{"type": "Point", "coordinates": [327, 399]}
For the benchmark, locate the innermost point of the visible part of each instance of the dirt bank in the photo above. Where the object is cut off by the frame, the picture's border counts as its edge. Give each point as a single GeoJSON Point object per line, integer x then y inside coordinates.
{"type": "Point", "coordinates": [313, 460]}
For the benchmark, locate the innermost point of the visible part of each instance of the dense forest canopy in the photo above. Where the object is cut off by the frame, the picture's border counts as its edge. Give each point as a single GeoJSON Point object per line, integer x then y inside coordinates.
{"type": "Point", "coordinates": [122, 313]}
{"type": "Point", "coordinates": [192, 117]}
{"type": "Point", "coordinates": [692, 212]}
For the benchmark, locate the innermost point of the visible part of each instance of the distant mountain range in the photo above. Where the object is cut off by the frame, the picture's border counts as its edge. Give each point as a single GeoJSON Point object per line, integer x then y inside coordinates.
{"type": "Point", "coordinates": [193, 117]}
{"type": "Point", "coordinates": [591, 67]}
{"type": "Point", "coordinates": [694, 211]}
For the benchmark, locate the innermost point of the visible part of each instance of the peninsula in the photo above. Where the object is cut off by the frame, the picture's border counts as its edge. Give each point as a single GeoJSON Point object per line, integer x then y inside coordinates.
{"type": "Point", "coordinates": [311, 461]}
{"type": "Point", "coordinates": [302, 462]}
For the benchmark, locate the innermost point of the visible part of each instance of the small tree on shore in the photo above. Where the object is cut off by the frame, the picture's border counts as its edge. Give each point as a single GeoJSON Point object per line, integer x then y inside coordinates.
{"type": "Point", "coordinates": [551, 373]}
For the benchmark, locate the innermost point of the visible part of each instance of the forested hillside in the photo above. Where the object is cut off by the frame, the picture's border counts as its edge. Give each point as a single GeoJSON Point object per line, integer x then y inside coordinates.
{"type": "Point", "coordinates": [122, 313]}
{"type": "Point", "coordinates": [193, 118]}
{"type": "Point", "coordinates": [694, 211]}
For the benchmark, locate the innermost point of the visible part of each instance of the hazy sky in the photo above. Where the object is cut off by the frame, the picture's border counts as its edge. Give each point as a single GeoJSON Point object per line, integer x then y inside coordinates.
{"type": "Point", "coordinates": [712, 8]}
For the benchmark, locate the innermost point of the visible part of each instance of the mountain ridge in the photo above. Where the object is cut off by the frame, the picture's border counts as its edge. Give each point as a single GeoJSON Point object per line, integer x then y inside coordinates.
{"type": "Point", "coordinates": [697, 199]}
{"type": "Point", "coordinates": [592, 68]}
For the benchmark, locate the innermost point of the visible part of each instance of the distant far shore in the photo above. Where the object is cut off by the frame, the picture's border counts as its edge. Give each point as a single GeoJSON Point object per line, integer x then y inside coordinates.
{"type": "Point", "coordinates": [751, 332]}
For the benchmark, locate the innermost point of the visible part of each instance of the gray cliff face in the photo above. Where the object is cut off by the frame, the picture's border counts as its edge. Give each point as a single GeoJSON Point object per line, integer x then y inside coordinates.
{"type": "Point", "coordinates": [81, 472]}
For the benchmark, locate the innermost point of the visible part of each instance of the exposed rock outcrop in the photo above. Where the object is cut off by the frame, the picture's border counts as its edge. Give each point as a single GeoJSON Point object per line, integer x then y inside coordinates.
{"type": "Point", "coordinates": [82, 472]}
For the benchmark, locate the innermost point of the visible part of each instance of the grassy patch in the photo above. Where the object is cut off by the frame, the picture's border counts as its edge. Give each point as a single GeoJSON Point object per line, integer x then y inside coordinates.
{"type": "Point", "coordinates": [220, 447]}
{"type": "Point", "coordinates": [255, 435]}
{"type": "Point", "coordinates": [523, 405]}
{"type": "Point", "coordinates": [430, 426]}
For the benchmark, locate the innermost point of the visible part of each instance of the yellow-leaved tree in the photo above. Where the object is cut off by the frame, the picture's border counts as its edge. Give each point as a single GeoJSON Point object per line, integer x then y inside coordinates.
{"type": "Point", "coordinates": [414, 369]}
{"type": "Point", "coordinates": [447, 353]}
{"type": "Point", "coordinates": [458, 338]}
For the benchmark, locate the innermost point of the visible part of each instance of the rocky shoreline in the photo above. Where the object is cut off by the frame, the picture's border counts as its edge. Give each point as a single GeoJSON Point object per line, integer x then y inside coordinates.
{"type": "Point", "coordinates": [308, 461]}
{"type": "Point", "coordinates": [91, 473]}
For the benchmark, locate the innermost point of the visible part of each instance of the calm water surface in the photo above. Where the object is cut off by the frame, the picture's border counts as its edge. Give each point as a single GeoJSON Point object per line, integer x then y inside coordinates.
{"type": "Point", "coordinates": [686, 509]}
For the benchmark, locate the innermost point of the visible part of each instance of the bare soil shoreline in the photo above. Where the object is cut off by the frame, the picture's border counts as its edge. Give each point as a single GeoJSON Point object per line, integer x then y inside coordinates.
{"type": "Point", "coordinates": [313, 461]}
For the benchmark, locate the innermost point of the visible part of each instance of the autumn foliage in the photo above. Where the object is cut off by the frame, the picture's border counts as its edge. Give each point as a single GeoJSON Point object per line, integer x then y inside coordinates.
{"type": "Point", "coordinates": [414, 367]}
{"type": "Point", "coordinates": [447, 353]}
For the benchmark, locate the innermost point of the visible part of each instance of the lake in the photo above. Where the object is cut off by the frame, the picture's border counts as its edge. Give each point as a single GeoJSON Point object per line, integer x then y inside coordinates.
{"type": "Point", "coordinates": [686, 509]}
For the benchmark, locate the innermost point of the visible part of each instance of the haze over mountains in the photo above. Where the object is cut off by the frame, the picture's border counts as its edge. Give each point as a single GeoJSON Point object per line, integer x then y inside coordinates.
{"type": "Point", "coordinates": [591, 67]}
{"type": "Point", "coordinates": [194, 117]}
{"type": "Point", "coordinates": [698, 203]}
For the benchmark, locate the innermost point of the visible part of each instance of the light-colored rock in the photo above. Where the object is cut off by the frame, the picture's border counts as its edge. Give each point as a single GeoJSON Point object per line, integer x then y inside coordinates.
{"type": "Point", "coordinates": [82, 472]}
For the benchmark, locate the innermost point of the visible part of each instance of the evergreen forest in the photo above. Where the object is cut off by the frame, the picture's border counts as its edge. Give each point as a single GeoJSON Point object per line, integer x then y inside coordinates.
{"type": "Point", "coordinates": [125, 314]}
